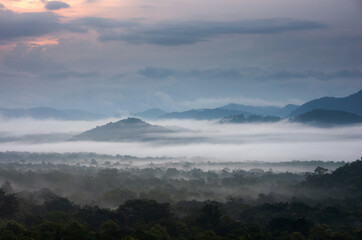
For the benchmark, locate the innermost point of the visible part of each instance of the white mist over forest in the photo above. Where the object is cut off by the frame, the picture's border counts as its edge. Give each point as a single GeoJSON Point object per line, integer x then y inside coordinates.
{"type": "Point", "coordinates": [281, 141]}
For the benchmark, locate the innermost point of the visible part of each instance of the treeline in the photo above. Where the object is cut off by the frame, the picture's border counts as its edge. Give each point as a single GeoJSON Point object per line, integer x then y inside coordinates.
{"type": "Point", "coordinates": [111, 187]}
{"type": "Point", "coordinates": [50, 157]}
{"type": "Point", "coordinates": [58, 218]}
{"type": "Point", "coordinates": [52, 201]}
{"type": "Point", "coordinates": [127, 161]}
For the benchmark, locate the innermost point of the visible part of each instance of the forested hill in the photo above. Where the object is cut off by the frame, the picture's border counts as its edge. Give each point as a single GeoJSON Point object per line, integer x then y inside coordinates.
{"type": "Point", "coordinates": [345, 180]}
{"type": "Point", "coordinates": [322, 117]}
{"type": "Point", "coordinates": [351, 103]}
{"type": "Point", "coordinates": [130, 129]}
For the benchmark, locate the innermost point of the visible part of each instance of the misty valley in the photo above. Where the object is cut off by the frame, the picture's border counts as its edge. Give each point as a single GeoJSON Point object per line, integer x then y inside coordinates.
{"type": "Point", "coordinates": [233, 172]}
{"type": "Point", "coordinates": [180, 120]}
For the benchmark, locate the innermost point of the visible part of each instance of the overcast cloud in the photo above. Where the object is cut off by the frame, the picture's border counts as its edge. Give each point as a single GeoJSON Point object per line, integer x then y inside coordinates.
{"type": "Point", "coordinates": [56, 5]}
{"type": "Point", "coordinates": [14, 25]}
{"type": "Point", "coordinates": [185, 33]}
{"type": "Point", "coordinates": [120, 56]}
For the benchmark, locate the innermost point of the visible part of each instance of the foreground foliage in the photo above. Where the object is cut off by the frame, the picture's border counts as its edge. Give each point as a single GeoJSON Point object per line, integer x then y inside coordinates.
{"type": "Point", "coordinates": [298, 214]}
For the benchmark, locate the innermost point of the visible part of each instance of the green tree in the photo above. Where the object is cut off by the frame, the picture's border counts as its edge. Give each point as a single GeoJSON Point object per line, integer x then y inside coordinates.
{"type": "Point", "coordinates": [157, 232]}
{"type": "Point", "coordinates": [14, 231]}
{"type": "Point", "coordinates": [321, 232]}
{"type": "Point", "coordinates": [75, 231]}
{"type": "Point", "coordinates": [9, 204]}
{"type": "Point", "coordinates": [50, 231]}
{"type": "Point", "coordinates": [210, 215]}
{"type": "Point", "coordinates": [141, 210]}
{"type": "Point", "coordinates": [109, 230]}
{"type": "Point", "coordinates": [320, 171]}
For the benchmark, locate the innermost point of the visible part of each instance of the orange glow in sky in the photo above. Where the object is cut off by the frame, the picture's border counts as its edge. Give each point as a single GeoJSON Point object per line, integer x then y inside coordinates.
{"type": "Point", "coordinates": [43, 41]}
{"type": "Point", "coordinates": [78, 8]}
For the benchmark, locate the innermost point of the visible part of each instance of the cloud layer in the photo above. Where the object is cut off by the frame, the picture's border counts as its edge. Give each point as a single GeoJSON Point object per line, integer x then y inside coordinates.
{"type": "Point", "coordinates": [15, 25]}
{"type": "Point", "coordinates": [185, 33]}
{"type": "Point", "coordinates": [244, 142]}
{"type": "Point", "coordinates": [56, 5]}
{"type": "Point", "coordinates": [120, 56]}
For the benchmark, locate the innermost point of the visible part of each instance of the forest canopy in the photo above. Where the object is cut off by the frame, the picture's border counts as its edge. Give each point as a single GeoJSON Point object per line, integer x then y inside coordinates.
{"type": "Point", "coordinates": [59, 201]}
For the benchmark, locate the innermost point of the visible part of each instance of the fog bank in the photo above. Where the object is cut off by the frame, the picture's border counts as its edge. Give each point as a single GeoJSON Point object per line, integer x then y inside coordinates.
{"type": "Point", "coordinates": [282, 141]}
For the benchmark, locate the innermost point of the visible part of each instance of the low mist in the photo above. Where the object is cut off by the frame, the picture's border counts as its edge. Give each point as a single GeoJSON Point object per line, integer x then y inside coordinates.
{"type": "Point", "coordinates": [281, 141]}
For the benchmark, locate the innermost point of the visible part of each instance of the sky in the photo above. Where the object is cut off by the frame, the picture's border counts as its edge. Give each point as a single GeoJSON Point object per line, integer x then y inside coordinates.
{"type": "Point", "coordinates": [114, 56]}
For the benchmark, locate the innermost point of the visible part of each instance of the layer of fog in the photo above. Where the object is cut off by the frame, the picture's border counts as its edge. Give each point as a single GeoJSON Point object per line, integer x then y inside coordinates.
{"type": "Point", "coordinates": [282, 141]}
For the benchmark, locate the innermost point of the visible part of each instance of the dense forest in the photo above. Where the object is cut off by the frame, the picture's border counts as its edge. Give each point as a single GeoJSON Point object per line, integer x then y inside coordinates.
{"type": "Point", "coordinates": [44, 200]}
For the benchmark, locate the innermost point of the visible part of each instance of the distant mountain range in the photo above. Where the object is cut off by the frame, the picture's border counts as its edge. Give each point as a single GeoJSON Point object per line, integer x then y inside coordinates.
{"type": "Point", "coordinates": [352, 104]}
{"type": "Point", "coordinates": [233, 113]}
{"type": "Point", "coordinates": [328, 117]}
{"type": "Point", "coordinates": [130, 129]}
{"type": "Point", "coordinates": [341, 111]}
{"type": "Point", "coordinates": [322, 112]}
{"type": "Point", "coordinates": [250, 119]}
{"type": "Point", "coordinates": [48, 113]}
{"type": "Point", "coordinates": [204, 114]}
{"type": "Point", "coordinates": [231, 109]}
{"type": "Point", "coordinates": [263, 110]}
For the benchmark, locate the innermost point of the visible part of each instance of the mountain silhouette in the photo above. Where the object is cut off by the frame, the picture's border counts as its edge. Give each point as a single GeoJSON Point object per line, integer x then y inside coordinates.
{"type": "Point", "coordinates": [130, 129]}
{"type": "Point", "coordinates": [250, 119]}
{"type": "Point", "coordinates": [204, 114]}
{"type": "Point", "coordinates": [328, 117]}
{"type": "Point", "coordinates": [263, 110]}
{"type": "Point", "coordinates": [352, 104]}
